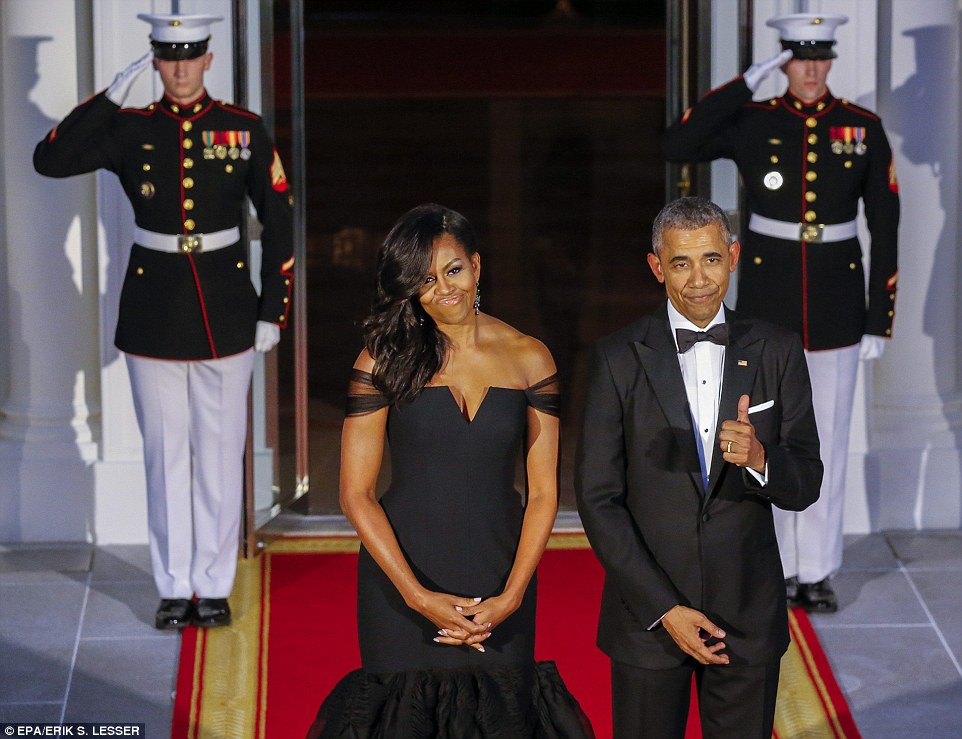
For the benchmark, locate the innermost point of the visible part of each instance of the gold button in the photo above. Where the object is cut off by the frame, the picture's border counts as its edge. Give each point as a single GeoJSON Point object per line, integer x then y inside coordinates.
{"type": "Point", "coordinates": [150, 107]}
{"type": "Point", "coordinates": [287, 300]}
{"type": "Point", "coordinates": [188, 204]}
{"type": "Point", "coordinates": [188, 162]}
{"type": "Point", "coordinates": [851, 265]}
{"type": "Point", "coordinates": [891, 296]}
{"type": "Point", "coordinates": [188, 182]}
{"type": "Point", "coordinates": [280, 318]}
{"type": "Point", "coordinates": [188, 143]}
{"type": "Point", "coordinates": [848, 164]}
{"type": "Point", "coordinates": [287, 282]}
{"type": "Point", "coordinates": [189, 224]}
{"type": "Point", "coordinates": [810, 215]}
{"type": "Point", "coordinates": [187, 125]}
{"type": "Point", "coordinates": [812, 157]}
{"type": "Point", "coordinates": [812, 138]}
{"type": "Point", "coordinates": [757, 260]}
{"type": "Point", "coordinates": [146, 167]}
{"type": "Point", "coordinates": [240, 265]}
{"type": "Point", "coordinates": [810, 196]}
{"type": "Point", "coordinates": [175, 108]}
{"type": "Point", "coordinates": [229, 168]}
{"type": "Point", "coordinates": [891, 313]}
{"type": "Point", "coordinates": [197, 108]}
{"type": "Point", "coordinates": [798, 105]}
{"type": "Point", "coordinates": [811, 176]}
{"type": "Point", "coordinates": [140, 270]}
{"type": "Point", "coordinates": [888, 332]}
{"type": "Point", "coordinates": [811, 122]}
{"type": "Point", "coordinates": [820, 106]}
{"type": "Point", "coordinates": [774, 159]}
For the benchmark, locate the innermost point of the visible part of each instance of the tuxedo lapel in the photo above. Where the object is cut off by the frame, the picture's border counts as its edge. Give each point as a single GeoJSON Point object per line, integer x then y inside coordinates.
{"type": "Point", "coordinates": [658, 355]}
{"type": "Point", "coordinates": [742, 360]}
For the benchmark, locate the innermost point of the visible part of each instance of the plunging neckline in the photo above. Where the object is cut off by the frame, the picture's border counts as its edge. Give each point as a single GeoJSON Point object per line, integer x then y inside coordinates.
{"type": "Point", "coordinates": [462, 411]}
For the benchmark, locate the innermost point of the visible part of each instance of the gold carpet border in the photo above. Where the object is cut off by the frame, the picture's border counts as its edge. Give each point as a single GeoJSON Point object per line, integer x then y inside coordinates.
{"type": "Point", "coordinates": [196, 685]}
{"type": "Point", "coordinates": [800, 709]}
{"type": "Point", "coordinates": [229, 701]}
{"type": "Point", "coordinates": [265, 604]}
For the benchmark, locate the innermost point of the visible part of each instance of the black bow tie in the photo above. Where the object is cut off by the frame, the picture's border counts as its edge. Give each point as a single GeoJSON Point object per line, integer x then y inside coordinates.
{"type": "Point", "coordinates": [686, 339]}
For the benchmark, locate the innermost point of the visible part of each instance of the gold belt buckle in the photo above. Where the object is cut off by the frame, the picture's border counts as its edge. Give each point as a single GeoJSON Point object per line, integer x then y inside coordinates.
{"type": "Point", "coordinates": [188, 243]}
{"type": "Point", "coordinates": [811, 233]}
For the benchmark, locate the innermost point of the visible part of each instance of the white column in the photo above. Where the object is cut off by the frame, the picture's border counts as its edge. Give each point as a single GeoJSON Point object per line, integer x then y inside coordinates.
{"type": "Point", "coordinates": [49, 366]}
{"type": "Point", "coordinates": [914, 466]}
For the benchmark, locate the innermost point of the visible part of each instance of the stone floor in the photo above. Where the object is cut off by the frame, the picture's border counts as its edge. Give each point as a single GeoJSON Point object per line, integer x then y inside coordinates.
{"type": "Point", "coordinates": [77, 642]}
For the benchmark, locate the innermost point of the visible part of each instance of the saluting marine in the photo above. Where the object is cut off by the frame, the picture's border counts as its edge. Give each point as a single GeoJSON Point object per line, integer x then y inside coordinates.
{"type": "Point", "coordinates": [806, 159]}
{"type": "Point", "coordinates": [189, 317]}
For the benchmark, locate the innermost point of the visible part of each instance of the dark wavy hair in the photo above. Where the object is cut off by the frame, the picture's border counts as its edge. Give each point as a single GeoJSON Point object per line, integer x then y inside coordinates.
{"type": "Point", "coordinates": [407, 346]}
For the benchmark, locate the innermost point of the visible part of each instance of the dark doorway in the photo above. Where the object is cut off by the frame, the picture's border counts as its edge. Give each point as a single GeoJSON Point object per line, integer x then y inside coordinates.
{"type": "Point", "coordinates": [539, 121]}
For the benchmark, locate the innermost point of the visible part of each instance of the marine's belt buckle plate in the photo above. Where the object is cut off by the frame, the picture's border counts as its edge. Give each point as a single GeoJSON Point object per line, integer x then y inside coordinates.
{"type": "Point", "coordinates": [811, 233]}
{"type": "Point", "coordinates": [189, 243]}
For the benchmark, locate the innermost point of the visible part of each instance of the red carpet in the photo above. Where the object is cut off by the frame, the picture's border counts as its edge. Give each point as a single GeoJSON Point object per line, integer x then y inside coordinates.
{"type": "Point", "coordinates": [294, 637]}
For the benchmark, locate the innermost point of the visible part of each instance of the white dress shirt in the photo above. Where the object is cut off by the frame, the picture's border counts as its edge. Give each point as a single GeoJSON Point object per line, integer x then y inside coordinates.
{"type": "Point", "coordinates": [702, 368]}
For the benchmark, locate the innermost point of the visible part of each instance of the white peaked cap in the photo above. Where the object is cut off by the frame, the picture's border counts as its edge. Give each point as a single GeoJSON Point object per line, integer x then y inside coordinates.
{"type": "Point", "coordinates": [807, 26]}
{"type": "Point", "coordinates": [179, 29]}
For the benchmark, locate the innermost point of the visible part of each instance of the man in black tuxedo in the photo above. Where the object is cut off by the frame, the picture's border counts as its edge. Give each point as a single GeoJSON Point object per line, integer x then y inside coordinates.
{"type": "Point", "coordinates": [697, 420]}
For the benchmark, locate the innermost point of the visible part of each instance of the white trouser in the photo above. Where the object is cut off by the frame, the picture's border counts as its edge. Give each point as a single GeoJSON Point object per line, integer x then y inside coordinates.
{"type": "Point", "coordinates": [193, 417]}
{"type": "Point", "coordinates": [810, 541]}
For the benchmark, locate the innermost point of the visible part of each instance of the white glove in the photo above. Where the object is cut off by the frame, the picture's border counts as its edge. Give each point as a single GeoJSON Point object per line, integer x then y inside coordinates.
{"type": "Point", "coordinates": [757, 72]}
{"type": "Point", "coordinates": [117, 92]}
{"type": "Point", "coordinates": [266, 336]}
{"type": "Point", "coordinates": [871, 347]}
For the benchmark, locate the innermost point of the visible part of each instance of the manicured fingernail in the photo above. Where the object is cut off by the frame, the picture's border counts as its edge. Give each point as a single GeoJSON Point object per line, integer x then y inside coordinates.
{"type": "Point", "coordinates": [477, 600]}
{"type": "Point", "coordinates": [436, 639]}
{"type": "Point", "coordinates": [480, 648]}
{"type": "Point", "coordinates": [458, 609]}
{"type": "Point", "coordinates": [443, 632]}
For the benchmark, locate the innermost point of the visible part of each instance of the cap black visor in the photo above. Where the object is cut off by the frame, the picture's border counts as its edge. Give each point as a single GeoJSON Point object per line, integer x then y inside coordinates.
{"type": "Point", "coordinates": [174, 52]}
{"type": "Point", "coordinates": [810, 49]}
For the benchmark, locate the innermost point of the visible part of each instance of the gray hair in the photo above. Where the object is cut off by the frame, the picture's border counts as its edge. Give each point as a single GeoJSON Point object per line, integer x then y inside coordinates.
{"type": "Point", "coordinates": [688, 214]}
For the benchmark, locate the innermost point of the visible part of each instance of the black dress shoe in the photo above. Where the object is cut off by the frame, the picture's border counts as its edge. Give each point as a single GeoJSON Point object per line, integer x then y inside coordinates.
{"type": "Point", "coordinates": [817, 597]}
{"type": "Point", "coordinates": [173, 613]}
{"type": "Point", "coordinates": [791, 591]}
{"type": "Point", "coordinates": [211, 612]}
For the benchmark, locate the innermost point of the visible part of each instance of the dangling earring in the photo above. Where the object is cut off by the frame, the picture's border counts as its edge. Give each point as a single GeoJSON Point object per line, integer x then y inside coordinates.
{"type": "Point", "coordinates": [420, 320]}
{"type": "Point", "coordinates": [477, 298]}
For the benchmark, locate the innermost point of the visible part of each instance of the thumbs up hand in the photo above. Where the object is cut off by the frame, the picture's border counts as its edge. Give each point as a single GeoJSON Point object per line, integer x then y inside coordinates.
{"type": "Point", "coordinates": [738, 443]}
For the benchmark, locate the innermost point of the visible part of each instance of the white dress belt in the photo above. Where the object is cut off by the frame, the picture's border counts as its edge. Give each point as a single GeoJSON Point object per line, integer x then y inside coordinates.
{"type": "Point", "coordinates": [811, 233]}
{"type": "Point", "coordinates": [186, 243]}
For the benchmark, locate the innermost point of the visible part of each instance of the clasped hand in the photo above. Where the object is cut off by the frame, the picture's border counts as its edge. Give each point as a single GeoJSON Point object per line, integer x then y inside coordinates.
{"type": "Point", "coordinates": [464, 621]}
{"type": "Point", "coordinates": [692, 630]}
{"type": "Point", "coordinates": [738, 442]}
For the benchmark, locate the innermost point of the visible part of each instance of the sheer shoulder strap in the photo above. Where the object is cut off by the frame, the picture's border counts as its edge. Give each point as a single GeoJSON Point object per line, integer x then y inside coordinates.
{"type": "Point", "coordinates": [545, 396]}
{"type": "Point", "coordinates": [362, 397]}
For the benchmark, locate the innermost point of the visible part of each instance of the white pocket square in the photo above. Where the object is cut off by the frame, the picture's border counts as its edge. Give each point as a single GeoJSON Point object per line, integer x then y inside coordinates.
{"type": "Point", "coordinates": [761, 406]}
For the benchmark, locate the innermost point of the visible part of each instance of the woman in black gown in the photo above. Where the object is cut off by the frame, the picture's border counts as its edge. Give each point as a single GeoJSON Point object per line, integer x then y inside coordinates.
{"type": "Point", "coordinates": [446, 575]}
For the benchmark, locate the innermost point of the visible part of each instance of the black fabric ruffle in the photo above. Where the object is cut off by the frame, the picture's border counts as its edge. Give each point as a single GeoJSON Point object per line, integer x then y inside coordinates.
{"type": "Point", "coordinates": [506, 702]}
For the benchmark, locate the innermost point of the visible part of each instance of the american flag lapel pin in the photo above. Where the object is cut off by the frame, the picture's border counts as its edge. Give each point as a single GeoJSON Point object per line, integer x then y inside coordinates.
{"type": "Point", "coordinates": [742, 362]}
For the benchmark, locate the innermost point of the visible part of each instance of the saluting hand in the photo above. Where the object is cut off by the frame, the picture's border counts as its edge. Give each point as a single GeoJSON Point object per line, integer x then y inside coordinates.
{"type": "Point", "coordinates": [117, 92]}
{"type": "Point", "coordinates": [760, 70]}
{"type": "Point", "coordinates": [738, 442]}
